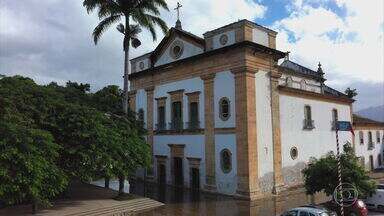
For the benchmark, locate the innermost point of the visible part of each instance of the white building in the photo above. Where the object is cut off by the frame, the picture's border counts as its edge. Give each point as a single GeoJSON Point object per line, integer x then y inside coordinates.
{"type": "Point", "coordinates": [369, 142]}
{"type": "Point", "coordinates": [223, 116]}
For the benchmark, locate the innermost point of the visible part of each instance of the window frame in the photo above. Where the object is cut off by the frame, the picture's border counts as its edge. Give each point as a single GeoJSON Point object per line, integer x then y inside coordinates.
{"type": "Point", "coordinates": [221, 114]}
{"type": "Point", "coordinates": [229, 169]}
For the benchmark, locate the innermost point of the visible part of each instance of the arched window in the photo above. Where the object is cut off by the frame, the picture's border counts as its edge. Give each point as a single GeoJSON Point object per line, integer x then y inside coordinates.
{"type": "Point", "coordinates": [370, 137]}
{"type": "Point", "coordinates": [288, 82]}
{"type": "Point", "coordinates": [361, 137]}
{"type": "Point", "coordinates": [226, 160]}
{"type": "Point", "coordinates": [294, 153]}
{"type": "Point", "coordinates": [303, 85]}
{"type": "Point", "coordinates": [224, 109]}
{"type": "Point", "coordinates": [140, 115]}
{"type": "Point", "coordinates": [378, 137]}
{"type": "Point", "coordinates": [335, 118]}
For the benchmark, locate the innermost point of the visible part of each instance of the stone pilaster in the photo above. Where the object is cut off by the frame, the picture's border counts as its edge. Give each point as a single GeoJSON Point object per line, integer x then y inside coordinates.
{"type": "Point", "coordinates": [246, 137]}
{"type": "Point", "coordinates": [276, 137]}
{"type": "Point", "coordinates": [150, 99]}
{"type": "Point", "coordinates": [132, 100]}
{"type": "Point", "coordinates": [209, 131]}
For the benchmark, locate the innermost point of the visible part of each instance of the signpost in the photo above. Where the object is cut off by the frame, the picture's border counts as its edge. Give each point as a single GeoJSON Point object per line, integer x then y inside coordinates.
{"type": "Point", "coordinates": [341, 126]}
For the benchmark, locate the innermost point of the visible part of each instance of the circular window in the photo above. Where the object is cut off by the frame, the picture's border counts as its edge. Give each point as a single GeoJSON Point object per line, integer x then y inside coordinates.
{"type": "Point", "coordinates": [141, 65]}
{"type": "Point", "coordinates": [223, 39]}
{"type": "Point", "coordinates": [224, 106]}
{"type": "Point", "coordinates": [294, 153]}
{"type": "Point", "coordinates": [176, 49]}
{"type": "Point", "coordinates": [226, 160]}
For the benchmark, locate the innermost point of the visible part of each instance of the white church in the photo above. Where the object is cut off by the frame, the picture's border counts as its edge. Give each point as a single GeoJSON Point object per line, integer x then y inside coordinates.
{"type": "Point", "coordinates": [223, 116]}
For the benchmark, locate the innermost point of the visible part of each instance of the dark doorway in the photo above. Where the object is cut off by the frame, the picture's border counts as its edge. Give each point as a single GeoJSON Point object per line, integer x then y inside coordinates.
{"type": "Point", "coordinates": [178, 170]}
{"type": "Point", "coordinates": [371, 162]}
{"type": "Point", "coordinates": [195, 178]}
{"type": "Point", "coordinates": [161, 173]}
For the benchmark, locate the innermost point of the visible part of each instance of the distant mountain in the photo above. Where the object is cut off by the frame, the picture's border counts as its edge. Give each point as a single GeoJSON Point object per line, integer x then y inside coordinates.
{"type": "Point", "coordinates": [374, 113]}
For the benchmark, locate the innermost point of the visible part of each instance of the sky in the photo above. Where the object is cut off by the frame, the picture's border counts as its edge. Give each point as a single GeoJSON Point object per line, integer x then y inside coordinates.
{"type": "Point", "coordinates": [50, 40]}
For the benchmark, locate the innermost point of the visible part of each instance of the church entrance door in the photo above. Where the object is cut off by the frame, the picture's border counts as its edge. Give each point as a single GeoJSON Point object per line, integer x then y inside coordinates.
{"type": "Point", "coordinates": [195, 178]}
{"type": "Point", "coordinates": [178, 170]}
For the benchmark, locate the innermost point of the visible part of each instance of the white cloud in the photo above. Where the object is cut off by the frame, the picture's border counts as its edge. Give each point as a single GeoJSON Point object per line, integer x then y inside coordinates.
{"type": "Point", "coordinates": [355, 52]}
{"type": "Point", "coordinates": [199, 16]}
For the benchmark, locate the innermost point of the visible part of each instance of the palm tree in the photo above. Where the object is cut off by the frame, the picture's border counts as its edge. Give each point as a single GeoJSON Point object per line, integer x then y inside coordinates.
{"type": "Point", "coordinates": [143, 13]}
{"type": "Point", "coordinates": [137, 14]}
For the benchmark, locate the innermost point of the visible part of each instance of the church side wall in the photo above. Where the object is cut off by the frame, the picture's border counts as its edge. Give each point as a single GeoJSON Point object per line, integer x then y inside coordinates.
{"type": "Point", "coordinates": [264, 131]}
{"type": "Point", "coordinates": [362, 150]}
{"type": "Point", "coordinates": [309, 143]}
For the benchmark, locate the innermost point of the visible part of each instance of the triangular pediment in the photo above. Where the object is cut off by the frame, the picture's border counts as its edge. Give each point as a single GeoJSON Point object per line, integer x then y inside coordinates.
{"type": "Point", "coordinates": [176, 45]}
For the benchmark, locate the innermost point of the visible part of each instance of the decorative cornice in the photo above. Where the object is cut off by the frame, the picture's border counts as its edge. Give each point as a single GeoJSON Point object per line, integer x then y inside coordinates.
{"type": "Point", "coordinates": [207, 77]}
{"type": "Point", "coordinates": [161, 156]}
{"type": "Point", "coordinates": [245, 69]}
{"type": "Point", "coordinates": [161, 98]}
{"type": "Point", "coordinates": [314, 95]}
{"type": "Point", "coordinates": [150, 88]}
{"type": "Point", "coordinates": [176, 145]}
{"type": "Point", "coordinates": [275, 74]}
{"type": "Point", "coordinates": [193, 159]}
{"type": "Point", "coordinates": [179, 91]}
{"type": "Point", "coordinates": [132, 93]}
{"type": "Point", "coordinates": [192, 93]}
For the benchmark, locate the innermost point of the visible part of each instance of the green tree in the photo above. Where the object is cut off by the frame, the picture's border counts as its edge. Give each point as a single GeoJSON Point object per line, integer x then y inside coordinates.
{"type": "Point", "coordinates": [28, 158]}
{"type": "Point", "coordinates": [321, 174]}
{"type": "Point", "coordinates": [351, 93]}
{"type": "Point", "coordinates": [143, 13]}
{"type": "Point", "coordinates": [108, 99]}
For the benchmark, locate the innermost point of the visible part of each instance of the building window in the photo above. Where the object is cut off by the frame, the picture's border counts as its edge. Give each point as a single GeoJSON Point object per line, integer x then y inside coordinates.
{"type": "Point", "coordinates": [223, 39]}
{"type": "Point", "coordinates": [308, 122]}
{"type": "Point", "coordinates": [335, 118]}
{"type": "Point", "coordinates": [176, 122]}
{"type": "Point", "coordinates": [303, 85]}
{"type": "Point", "coordinates": [140, 115]}
{"type": "Point", "coordinates": [370, 140]}
{"type": "Point", "coordinates": [294, 153]}
{"type": "Point", "coordinates": [288, 82]}
{"type": "Point", "coordinates": [378, 137]}
{"type": "Point", "coordinates": [176, 49]}
{"type": "Point", "coordinates": [226, 160]}
{"type": "Point", "coordinates": [193, 115]}
{"type": "Point", "coordinates": [161, 118]}
{"type": "Point", "coordinates": [379, 160]}
{"type": "Point", "coordinates": [224, 111]}
{"type": "Point", "coordinates": [361, 137]}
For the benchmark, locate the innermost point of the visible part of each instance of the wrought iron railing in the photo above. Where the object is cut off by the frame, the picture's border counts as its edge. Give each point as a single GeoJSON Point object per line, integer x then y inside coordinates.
{"type": "Point", "coordinates": [309, 124]}
{"type": "Point", "coordinates": [176, 124]}
{"type": "Point", "coordinates": [192, 125]}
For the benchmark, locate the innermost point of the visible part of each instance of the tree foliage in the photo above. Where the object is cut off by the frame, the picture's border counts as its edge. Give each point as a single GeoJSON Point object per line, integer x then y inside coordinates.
{"type": "Point", "coordinates": [321, 174]}
{"type": "Point", "coordinates": [51, 134]}
{"type": "Point", "coordinates": [351, 93]}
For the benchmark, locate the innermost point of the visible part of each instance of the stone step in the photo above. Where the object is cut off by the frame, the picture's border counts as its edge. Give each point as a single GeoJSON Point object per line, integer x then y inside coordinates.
{"type": "Point", "coordinates": [133, 202]}
{"type": "Point", "coordinates": [147, 205]}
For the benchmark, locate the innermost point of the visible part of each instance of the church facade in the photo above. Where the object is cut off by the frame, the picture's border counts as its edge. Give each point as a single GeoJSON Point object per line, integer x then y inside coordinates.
{"type": "Point", "coordinates": [223, 116]}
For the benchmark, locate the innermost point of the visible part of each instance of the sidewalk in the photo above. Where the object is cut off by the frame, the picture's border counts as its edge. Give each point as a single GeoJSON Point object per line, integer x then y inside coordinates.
{"type": "Point", "coordinates": [87, 200]}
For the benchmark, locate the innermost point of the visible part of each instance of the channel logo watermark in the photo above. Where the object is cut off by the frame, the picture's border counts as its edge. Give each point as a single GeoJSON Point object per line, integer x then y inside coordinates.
{"type": "Point", "coordinates": [345, 194]}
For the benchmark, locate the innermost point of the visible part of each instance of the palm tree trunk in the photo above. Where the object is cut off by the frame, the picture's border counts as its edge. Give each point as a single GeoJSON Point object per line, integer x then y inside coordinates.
{"type": "Point", "coordinates": [106, 182]}
{"type": "Point", "coordinates": [121, 184]}
{"type": "Point", "coordinates": [127, 65]}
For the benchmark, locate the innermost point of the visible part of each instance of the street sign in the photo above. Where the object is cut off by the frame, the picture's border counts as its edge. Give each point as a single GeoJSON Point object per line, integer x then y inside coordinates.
{"type": "Point", "coordinates": [343, 126]}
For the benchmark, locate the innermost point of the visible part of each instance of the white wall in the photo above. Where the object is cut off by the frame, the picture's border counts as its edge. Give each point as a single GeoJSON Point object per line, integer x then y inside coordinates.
{"type": "Point", "coordinates": [216, 39]}
{"type": "Point", "coordinates": [260, 37]}
{"type": "Point", "coordinates": [264, 130]}
{"type": "Point", "coordinates": [189, 50]}
{"type": "Point", "coordinates": [311, 85]}
{"type": "Point", "coordinates": [310, 143]}
{"type": "Point", "coordinates": [226, 182]}
{"type": "Point", "coordinates": [362, 150]}
{"type": "Point", "coordinates": [189, 85]}
{"type": "Point", "coordinates": [224, 86]}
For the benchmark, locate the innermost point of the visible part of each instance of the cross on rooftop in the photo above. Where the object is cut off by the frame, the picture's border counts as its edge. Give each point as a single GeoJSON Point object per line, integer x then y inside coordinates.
{"type": "Point", "coordinates": [178, 23]}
